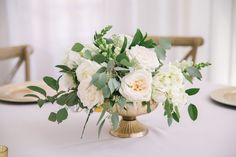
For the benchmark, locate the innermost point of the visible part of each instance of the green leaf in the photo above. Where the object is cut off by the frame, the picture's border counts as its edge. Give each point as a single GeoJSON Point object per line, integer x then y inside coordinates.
{"type": "Point", "coordinates": [137, 38]}
{"type": "Point", "coordinates": [115, 120]}
{"type": "Point", "coordinates": [122, 102]}
{"type": "Point", "coordinates": [51, 99]}
{"type": "Point", "coordinates": [124, 45]}
{"type": "Point", "coordinates": [175, 117]}
{"type": "Point", "coordinates": [192, 111]}
{"type": "Point", "coordinates": [148, 43]}
{"type": "Point", "coordinates": [99, 80]}
{"type": "Point", "coordinates": [89, 114]}
{"type": "Point", "coordinates": [77, 47]}
{"type": "Point", "coordinates": [125, 63]}
{"type": "Point", "coordinates": [188, 77]}
{"type": "Point", "coordinates": [110, 65]}
{"type": "Point", "coordinates": [52, 117]}
{"type": "Point", "coordinates": [148, 107]}
{"type": "Point", "coordinates": [160, 52]}
{"type": "Point", "coordinates": [101, 70]}
{"type": "Point", "coordinates": [106, 91]}
{"type": "Point", "coordinates": [169, 121]}
{"type": "Point", "coordinates": [100, 127]}
{"type": "Point", "coordinates": [101, 116]}
{"type": "Point", "coordinates": [99, 58]}
{"type": "Point", "coordinates": [113, 85]}
{"type": "Point", "coordinates": [62, 114]}
{"type": "Point", "coordinates": [192, 91]}
{"type": "Point", "coordinates": [88, 55]}
{"type": "Point", "coordinates": [37, 89]}
{"type": "Point", "coordinates": [68, 99]}
{"type": "Point", "coordinates": [165, 43]}
{"type": "Point", "coordinates": [51, 82]}
{"type": "Point", "coordinates": [122, 56]}
{"type": "Point", "coordinates": [194, 72]}
{"type": "Point", "coordinates": [31, 95]}
{"type": "Point", "coordinates": [41, 102]}
{"type": "Point", "coordinates": [64, 68]}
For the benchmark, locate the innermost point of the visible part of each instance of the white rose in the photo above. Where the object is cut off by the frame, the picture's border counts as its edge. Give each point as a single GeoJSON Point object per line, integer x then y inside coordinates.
{"type": "Point", "coordinates": [72, 59]}
{"type": "Point", "coordinates": [146, 58]}
{"type": "Point", "coordinates": [88, 94]}
{"type": "Point", "coordinates": [137, 86]}
{"type": "Point", "coordinates": [67, 82]}
{"type": "Point", "coordinates": [86, 69]}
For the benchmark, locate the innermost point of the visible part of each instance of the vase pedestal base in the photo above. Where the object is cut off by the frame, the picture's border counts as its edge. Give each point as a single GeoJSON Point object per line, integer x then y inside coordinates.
{"type": "Point", "coordinates": [129, 127]}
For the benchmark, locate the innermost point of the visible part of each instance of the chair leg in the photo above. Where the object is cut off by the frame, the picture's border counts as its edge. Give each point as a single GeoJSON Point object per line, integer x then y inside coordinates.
{"type": "Point", "coordinates": [27, 65]}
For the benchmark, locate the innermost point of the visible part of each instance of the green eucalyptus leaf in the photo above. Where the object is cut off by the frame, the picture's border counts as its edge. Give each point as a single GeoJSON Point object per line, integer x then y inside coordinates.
{"type": "Point", "coordinates": [77, 47]}
{"type": "Point", "coordinates": [37, 89]}
{"type": "Point", "coordinates": [175, 117]}
{"type": "Point", "coordinates": [100, 127]}
{"type": "Point", "coordinates": [115, 120]}
{"type": "Point", "coordinates": [52, 117]}
{"type": "Point", "coordinates": [192, 91]}
{"type": "Point", "coordinates": [41, 102]}
{"type": "Point", "coordinates": [122, 102]}
{"type": "Point", "coordinates": [122, 56]}
{"type": "Point", "coordinates": [160, 52]}
{"type": "Point", "coordinates": [138, 37]}
{"type": "Point", "coordinates": [194, 72]}
{"type": "Point", "coordinates": [124, 45]}
{"type": "Point", "coordinates": [125, 63]}
{"type": "Point", "coordinates": [165, 43]}
{"type": "Point", "coordinates": [31, 95]}
{"type": "Point", "coordinates": [148, 43]}
{"type": "Point", "coordinates": [101, 116]}
{"type": "Point", "coordinates": [99, 58]}
{"type": "Point", "coordinates": [88, 55]}
{"type": "Point", "coordinates": [148, 107]}
{"type": "Point", "coordinates": [106, 91]}
{"type": "Point", "coordinates": [51, 82]}
{"type": "Point", "coordinates": [110, 65]}
{"type": "Point", "coordinates": [192, 111]}
{"type": "Point", "coordinates": [64, 68]}
{"type": "Point", "coordinates": [62, 114]}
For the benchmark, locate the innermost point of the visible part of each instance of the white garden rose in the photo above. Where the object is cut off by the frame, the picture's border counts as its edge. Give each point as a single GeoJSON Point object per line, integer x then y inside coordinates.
{"type": "Point", "coordinates": [86, 69]}
{"type": "Point", "coordinates": [88, 94]}
{"type": "Point", "coordinates": [169, 83]}
{"type": "Point", "coordinates": [72, 59]}
{"type": "Point", "coordinates": [146, 58]}
{"type": "Point", "coordinates": [137, 86]}
{"type": "Point", "coordinates": [67, 82]}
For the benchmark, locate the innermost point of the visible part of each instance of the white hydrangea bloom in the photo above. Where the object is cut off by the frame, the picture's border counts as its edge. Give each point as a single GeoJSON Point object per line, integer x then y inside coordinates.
{"type": "Point", "coordinates": [169, 83]}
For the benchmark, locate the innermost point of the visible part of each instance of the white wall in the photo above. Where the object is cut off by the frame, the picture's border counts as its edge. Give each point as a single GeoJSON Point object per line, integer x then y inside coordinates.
{"type": "Point", "coordinates": [52, 26]}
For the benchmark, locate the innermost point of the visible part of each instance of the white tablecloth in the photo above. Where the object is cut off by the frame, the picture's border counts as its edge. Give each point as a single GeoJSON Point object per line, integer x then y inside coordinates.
{"type": "Point", "coordinates": [27, 132]}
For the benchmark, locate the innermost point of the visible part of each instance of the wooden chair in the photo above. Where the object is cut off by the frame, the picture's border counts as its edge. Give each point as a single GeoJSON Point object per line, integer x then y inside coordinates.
{"type": "Point", "coordinates": [193, 42]}
{"type": "Point", "coordinates": [22, 52]}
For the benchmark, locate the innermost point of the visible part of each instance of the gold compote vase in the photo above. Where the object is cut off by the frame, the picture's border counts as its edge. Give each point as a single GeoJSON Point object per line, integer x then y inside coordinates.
{"type": "Point", "coordinates": [129, 126]}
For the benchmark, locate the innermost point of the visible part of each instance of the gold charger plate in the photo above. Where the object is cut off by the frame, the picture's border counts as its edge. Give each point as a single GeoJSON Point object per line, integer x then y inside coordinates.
{"type": "Point", "coordinates": [15, 92]}
{"type": "Point", "coordinates": [225, 95]}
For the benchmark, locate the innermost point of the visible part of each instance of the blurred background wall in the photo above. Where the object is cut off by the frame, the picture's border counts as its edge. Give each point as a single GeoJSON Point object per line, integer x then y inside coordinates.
{"type": "Point", "coordinates": [52, 26]}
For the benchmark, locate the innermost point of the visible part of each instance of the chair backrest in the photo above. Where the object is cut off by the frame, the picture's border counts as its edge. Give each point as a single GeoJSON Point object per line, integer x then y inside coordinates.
{"type": "Point", "coordinates": [22, 52]}
{"type": "Point", "coordinates": [193, 42]}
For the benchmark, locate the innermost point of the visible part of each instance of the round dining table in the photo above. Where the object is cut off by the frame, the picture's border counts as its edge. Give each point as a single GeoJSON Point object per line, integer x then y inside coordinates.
{"type": "Point", "coordinates": [26, 131]}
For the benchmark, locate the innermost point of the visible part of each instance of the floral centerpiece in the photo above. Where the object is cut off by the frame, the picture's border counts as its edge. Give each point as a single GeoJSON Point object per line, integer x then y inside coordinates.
{"type": "Point", "coordinates": [121, 75]}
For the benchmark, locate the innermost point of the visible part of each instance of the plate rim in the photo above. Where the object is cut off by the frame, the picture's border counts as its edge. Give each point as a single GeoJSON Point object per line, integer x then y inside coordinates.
{"type": "Point", "coordinates": [222, 90]}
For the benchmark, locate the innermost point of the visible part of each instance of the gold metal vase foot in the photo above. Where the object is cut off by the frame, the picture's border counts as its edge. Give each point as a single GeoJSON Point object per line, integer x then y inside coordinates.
{"type": "Point", "coordinates": [129, 127]}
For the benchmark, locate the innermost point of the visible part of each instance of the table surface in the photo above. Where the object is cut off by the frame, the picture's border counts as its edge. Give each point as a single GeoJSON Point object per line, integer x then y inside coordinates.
{"type": "Point", "coordinates": [27, 132]}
